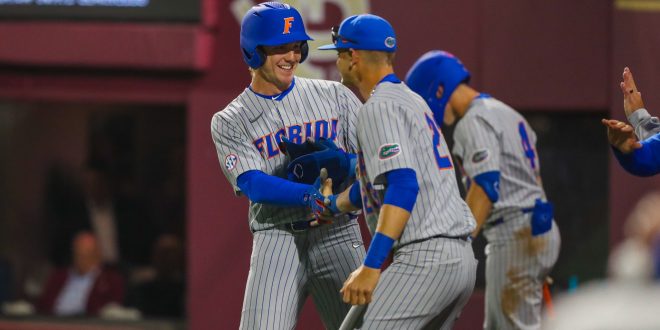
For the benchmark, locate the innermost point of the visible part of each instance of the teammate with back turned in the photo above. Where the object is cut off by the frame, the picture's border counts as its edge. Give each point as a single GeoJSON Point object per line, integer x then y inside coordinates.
{"type": "Point", "coordinates": [293, 254]}
{"type": "Point", "coordinates": [410, 194]}
{"type": "Point", "coordinates": [497, 149]}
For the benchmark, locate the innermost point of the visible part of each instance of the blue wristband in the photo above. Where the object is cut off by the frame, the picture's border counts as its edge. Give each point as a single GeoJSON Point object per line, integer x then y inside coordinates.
{"type": "Point", "coordinates": [379, 249]}
{"type": "Point", "coordinates": [354, 195]}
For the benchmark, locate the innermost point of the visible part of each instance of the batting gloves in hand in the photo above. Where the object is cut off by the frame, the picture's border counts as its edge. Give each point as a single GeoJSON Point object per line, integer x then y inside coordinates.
{"type": "Point", "coordinates": [306, 168]}
{"type": "Point", "coordinates": [294, 150]}
{"type": "Point", "coordinates": [315, 201]}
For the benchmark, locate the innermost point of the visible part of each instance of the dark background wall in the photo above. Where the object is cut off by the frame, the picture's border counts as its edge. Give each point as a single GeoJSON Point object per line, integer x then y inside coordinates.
{"type": "Point", "coordinates": [559, 62]}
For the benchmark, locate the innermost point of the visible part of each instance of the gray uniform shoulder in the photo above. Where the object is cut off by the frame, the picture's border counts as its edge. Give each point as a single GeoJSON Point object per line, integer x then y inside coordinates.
{"type": "Point", "coordinates": [229, 118]}
{"type": "Point", "coordinates": [397, 96]}
{"type": "Point", "coordinates": [231, 110]}
{"type": "Point", "coordinates": [328, 88]}
{"type": "Point", "coordinates": [489, 111]}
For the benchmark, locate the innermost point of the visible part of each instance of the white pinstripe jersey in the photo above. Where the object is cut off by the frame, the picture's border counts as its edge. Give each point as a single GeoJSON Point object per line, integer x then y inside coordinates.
{"type": "Point", "coordinates": [494, 137]}
{"type": "Point", "coordinates": [396, 130]}
{"type": "Point", "coordinates": [247, 132]}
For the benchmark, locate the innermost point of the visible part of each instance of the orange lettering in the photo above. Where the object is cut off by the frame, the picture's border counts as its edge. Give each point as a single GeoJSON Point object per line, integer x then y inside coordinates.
{"type": "Point", "coordinates": [287, 25]}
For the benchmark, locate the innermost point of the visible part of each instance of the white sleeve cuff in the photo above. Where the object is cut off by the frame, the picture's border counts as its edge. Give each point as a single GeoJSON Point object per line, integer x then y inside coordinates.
{"type": "Point", "coordinates": [637, 116]}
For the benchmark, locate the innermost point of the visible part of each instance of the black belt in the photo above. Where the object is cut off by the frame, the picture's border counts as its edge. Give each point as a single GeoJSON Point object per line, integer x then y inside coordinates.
{"type": "Point", "coordinates": [500, 220]}
{"type": "Point", "coordinates": [303, 225]}
{"type": "Point", "coordinates": [466, 238]}
{"type": "Point", "coordinates": [299, 225]}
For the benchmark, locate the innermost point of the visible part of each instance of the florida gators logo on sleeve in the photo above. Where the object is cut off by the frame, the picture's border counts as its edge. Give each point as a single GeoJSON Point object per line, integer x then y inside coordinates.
{"type": "Point", "coordinates": [389, 150]}
{"type": "Point", "coordinates": [480, 155]}
{"type": "Point", "coordinates": [230, 162]}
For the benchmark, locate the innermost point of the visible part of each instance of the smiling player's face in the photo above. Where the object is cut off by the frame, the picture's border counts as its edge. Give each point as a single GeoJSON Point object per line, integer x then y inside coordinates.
{"type": "Point", "coordinates": [280, 65]}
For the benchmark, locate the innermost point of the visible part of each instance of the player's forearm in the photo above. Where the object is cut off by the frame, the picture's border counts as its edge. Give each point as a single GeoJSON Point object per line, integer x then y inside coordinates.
{"type": "Point", "coordinates": [350, 200]}
{"type": "Point", "coordinates": [398, 204]}
{"type": "Point", "coordinates": [479, 204]}
{"type": "Point", "coordinates": [392, 220]}
{"type": "Point", "coordinates": [260, 187]}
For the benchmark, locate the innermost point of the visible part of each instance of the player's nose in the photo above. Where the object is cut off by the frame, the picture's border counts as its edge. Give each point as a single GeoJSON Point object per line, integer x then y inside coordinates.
{"type": "Point", "coordinates": [292, 56]}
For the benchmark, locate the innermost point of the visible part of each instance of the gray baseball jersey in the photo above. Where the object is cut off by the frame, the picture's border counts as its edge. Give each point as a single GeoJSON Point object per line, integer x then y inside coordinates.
{"type": "Point", "coordinates": [431, 277]}
{"type": "Point", "coordinates": [492, 136]}
{"type": "Point", "coordinates": [288, 265]}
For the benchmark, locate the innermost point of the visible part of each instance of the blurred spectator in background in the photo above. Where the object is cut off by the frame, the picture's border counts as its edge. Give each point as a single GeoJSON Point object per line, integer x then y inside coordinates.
{"type": "Point", "coordinates": [636, 147]}
{"type": "Point", "coordinates": [162, 295]}
{"type": "Point", "coordinates": [85, 287]}
{"type": "Point", "coordinates": [119, 222]}
{"type": "Point", "coordinates": [629, 299]}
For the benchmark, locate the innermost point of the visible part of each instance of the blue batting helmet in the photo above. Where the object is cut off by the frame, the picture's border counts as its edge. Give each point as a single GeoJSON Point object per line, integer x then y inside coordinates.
{"type": "Point", "coordinates": [271, 24]}
{"type": "Point", "coordinates": [434, 69]}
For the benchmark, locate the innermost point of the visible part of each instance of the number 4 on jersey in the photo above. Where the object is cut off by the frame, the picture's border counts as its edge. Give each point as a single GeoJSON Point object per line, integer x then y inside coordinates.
{"type": "Point", "coordinates": [444, 162]}
{"type": "Point", "coordinates": [527, 147]}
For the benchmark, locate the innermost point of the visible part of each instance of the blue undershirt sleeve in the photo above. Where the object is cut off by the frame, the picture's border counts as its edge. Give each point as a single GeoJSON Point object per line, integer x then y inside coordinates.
{"type": "Point", "coordinates": [260, 187]}
{"type": "Point", "coordinates": [644, 161]}
{"type": "Point", "coordinates": [402, 188]}
{"type": "Point", "coordinates": [490, 183]}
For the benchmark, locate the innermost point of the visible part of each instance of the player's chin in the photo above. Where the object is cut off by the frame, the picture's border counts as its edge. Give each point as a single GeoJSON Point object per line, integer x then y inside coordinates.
{"type": "Point", "coordinates": [285, 77]}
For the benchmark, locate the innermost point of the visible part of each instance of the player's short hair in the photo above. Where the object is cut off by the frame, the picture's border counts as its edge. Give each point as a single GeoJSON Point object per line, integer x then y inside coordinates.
{"type": "Point", "coordinates": [375, 56]}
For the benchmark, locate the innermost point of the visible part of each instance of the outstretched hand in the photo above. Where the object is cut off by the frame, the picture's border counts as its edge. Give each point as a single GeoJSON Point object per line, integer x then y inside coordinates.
{"type": "Point", "coordinates": [324, 186]}
{"type": "Point", "coordinates": [632, 98]}
{"type": "Point", "coordinates": [621, 136]}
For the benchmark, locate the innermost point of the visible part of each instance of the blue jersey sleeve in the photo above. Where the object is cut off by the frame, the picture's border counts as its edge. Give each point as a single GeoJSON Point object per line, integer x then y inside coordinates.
{"type": "Point", "coordinates": [260, 187]}
{"type": "Point", "coordinates": [644, 161]}
{"type": "Point", "coordinates": [490, 183]}
{"type": "Point", "coordinates": [402, 188]}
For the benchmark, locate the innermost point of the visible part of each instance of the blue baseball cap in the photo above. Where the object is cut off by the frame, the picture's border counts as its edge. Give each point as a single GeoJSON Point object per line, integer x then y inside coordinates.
{"type": "Point", "coordinates": [364, 32]}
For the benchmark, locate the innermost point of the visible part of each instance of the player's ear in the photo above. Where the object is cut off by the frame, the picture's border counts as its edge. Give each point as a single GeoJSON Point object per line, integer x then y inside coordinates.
{"type": "Point", "coordinates": [439, 92]}
{"type": "Point", "coordinates": [354, 55]}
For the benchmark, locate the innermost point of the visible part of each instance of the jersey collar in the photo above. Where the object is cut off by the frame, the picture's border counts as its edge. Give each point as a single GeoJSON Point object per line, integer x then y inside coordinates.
{"type": "Point", "coordinates": [390, 78]}
{"type": "Point", "coordinates": [276, 97]}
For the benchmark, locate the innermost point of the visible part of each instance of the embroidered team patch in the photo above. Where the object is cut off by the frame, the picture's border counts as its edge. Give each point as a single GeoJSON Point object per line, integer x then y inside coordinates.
{"type": "Point", "coordinates": [389, 150]}
{"type": "Point", "coordinates": [230, 162]}
{"type": "Point", "coordinates": [480, 155]}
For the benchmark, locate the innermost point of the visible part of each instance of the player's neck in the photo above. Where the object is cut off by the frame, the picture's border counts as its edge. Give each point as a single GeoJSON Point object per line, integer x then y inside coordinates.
{"type": "Point", "coordinates": [266, 87]}
{"type": "Point", "coordinates": [462, 97]}
{"type": "Point", "coordinates": [371, 78]}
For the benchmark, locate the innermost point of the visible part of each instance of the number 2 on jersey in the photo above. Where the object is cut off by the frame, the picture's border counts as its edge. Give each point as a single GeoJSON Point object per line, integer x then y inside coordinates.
{"type": "Point", "coordinates": [444, 162]}
{"type": "Point", "coordinates": [527, 147]}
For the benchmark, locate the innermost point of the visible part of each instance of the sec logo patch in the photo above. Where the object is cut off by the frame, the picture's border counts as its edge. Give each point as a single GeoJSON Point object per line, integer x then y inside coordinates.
{"type": "Point", "coordinates": [230, 162]}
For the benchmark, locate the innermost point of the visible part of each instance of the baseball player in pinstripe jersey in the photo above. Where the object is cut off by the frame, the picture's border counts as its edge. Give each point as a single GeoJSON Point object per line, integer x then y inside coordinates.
{"type": "Point", "coordinates": [408, 193]}
{"type": "Point", "coordinates": [293, 256]}
{"type": "Point", "coordinates": [497, 148]}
